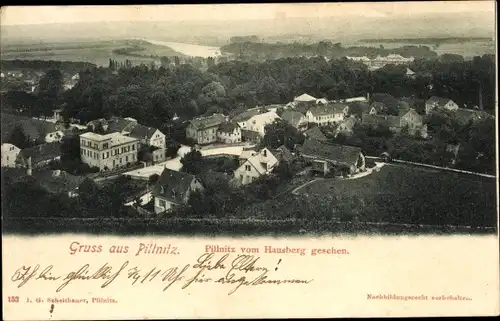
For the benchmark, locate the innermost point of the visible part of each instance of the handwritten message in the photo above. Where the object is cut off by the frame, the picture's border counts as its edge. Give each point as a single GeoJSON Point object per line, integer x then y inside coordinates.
{"type": "Point", "coordinates": [234, 267]}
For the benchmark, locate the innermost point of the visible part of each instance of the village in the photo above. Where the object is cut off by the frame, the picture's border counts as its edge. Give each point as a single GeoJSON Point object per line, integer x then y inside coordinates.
{"type": "Point", "coordinates": [237, 147]}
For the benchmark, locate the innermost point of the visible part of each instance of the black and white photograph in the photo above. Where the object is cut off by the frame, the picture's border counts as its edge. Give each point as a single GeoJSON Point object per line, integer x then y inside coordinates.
{"type": "Point", "coordinates": [260, 119]}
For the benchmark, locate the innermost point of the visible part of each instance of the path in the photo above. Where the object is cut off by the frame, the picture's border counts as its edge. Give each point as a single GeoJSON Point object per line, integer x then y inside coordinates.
{"type": "Point", "coordinates": [294, 192]}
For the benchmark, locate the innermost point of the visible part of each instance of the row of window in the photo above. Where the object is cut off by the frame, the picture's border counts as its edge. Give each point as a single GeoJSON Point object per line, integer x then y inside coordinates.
{"type": "Point", "coordinates": [106, 155]}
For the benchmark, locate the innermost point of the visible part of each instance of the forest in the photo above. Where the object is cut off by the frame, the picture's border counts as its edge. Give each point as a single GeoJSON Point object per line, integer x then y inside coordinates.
{"type": "Point", "coordinates": [264, 51]}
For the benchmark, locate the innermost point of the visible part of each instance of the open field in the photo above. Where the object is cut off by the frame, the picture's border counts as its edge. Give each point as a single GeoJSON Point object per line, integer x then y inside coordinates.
{"type": "Point", "coordinates": [402, 194]}
{"type": "Point", "coordinates": [468, 48]}
{"type": "Point", "coordinates": [98, 53]}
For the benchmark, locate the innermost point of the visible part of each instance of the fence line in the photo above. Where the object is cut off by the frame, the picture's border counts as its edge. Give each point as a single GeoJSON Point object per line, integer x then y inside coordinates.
{"type": "Point", "coordinates": [436, 167]}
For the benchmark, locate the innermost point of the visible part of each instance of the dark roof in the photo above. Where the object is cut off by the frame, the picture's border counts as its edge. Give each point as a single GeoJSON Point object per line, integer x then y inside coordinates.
{"type": "Point", "coordinates": [464, 115]}
{"type": "Point", "coordinates": [283, 153]}
{"type": "Point", "coordinates": [227, 127]}
{"type": "Point", "coordinates": [118, 124]}
{"type": "Point", "coordinates": [141, 132]}
{"type": "Point", "coordinates": [34, 128]}
{"type": "Point", "coordinates": [293, 117]}
{"type": "Point", "coordinates": [175, 185]}
{"type": "Point", "coordinates": [382, 120]}
{"type": "Point", "coordinates": [337, 154]}
{"type": "Point", "coordinates": [328, 109]}
{"type": "Point", "coordinates": [57, 181]}
{"type": "Point", "coordinates": [315, 133]}
{"type": "Point", "coordinates": [248, 114]}
{"type": "Point", "coordinates": [41, 152]}
{"type": "Point", "coordinates": [210, 121]}
{"type": "Point", "coordinates": [438, 101]}
{"type": "Point", "coordinates": [250, 134]}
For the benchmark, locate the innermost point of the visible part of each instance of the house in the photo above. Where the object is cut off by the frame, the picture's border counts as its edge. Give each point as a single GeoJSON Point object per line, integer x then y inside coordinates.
{"type": "Point", "coordinates": [250, 136]}
{"type": "Point", "coordinates": [9, 155]}
{"type": "Point", "coordinates": [377, 108]}
{"type": "Point", "coordinates": [283, 154]}
{"type": "Point", "coordinates": [203, 130]}
{"type": "Point", "coordinates": [321, 101]}
{"type": "Point", "coordinates": [108, 151]}
{"type": "Point", "coordinates": [305, 98]}
{"type": "Point", "coordinates": [39, 156]}
{"type": "Point", "coordinates": [242, 117]}
{"type": "Point", "coordinates": [148, 136]}
{"type": "Point", "coordinates": [327, 114]}
{"type": "Point", "coordinates": [326, 157]}
{"type": "Point", "coordinates": [315, 133]}
{"type": "Point", "coordinates": [229, 133]}
{"type": "Point", "coordinates": [437, 103]}
{"type": "Point", "coordinates": [36, 130]}
{"type": "Point", "coordinates": [464, 116]}
{"type": "Point", "coordinates": [346, 127]}
{"type": "Point", "coordinates": [410, 120]}
{"type": "Point", "coordinates": [258, 122]}
{"type": "Point", "coordinates": [296, 119]}
{"type": "Point", "coordinates": [174, 188]}
{"type": "Point", "coordinates": [257, 164]}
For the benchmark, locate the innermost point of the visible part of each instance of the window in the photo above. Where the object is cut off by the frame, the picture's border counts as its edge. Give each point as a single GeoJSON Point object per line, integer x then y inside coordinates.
{"type": "Point", "coordinates": [133, 147]}
{"type": "Point", "coordinates": [162, 203]}
{"type": "Point", "coordinates": [105, 145]}
{"type": "Point", "coordinates": [114, 162]}
{"type": "Point", "coordinates": [248, 168]}
{"type": "Point", "coordinates": [121, 160]}
{"type": "Point", "coordinates": [126, 158]}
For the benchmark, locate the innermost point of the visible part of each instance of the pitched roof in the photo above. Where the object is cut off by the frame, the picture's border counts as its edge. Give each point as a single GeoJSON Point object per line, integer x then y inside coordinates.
{"type": "Point", "coordinates": [119, 124]}
{"type": "Point", "coordinates": [255, 162]}
{"type": "Point", "coordinates": [382, 120]}
{"type": "Point", "coordinates": [42, 152]}
{"type": "Point", "coordinates": [228, 127]}
{"type": "Point", "coordinates": [464, 115]}
{"type": "Point", "coordinates": [328, 109]}
{"type": "Point", "coordinates": [57, 181]}
{"type": "Point", "coordinates": [283, 153]}
{"type": "Point", "coordinates": [315, 133]}
{"type": "Point", "coordinates": [246, 115]}
{"type": "Point", "coordinates": [210, 121]}
{"type": "Point", "coordinates": [305, 98]}
{"type": "Point", "coordinates": [438, 101]}
{"type": "Point", "coordinates": [293, 117]}
{"type": "Point", "coordinates": [141, 132]}
{"type": "Point", "coordinates": [386, 99]}
{"type": "Point", "coordinates": [34, 128]}
{"type": "Point", "coordinates": [338, 154]}
{"type": "Point", "coordinates": [173, 185]}
{"type": "Point", "coordinates": [409, 71]}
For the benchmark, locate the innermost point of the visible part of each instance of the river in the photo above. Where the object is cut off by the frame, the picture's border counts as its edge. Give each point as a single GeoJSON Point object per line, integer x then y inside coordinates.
{"type": "Point", "coordinates": [188, 49]}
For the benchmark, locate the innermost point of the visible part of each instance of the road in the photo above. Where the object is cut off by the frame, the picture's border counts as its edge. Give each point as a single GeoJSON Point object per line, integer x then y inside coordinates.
{"type": "Point", "coordinates": [175, 163]}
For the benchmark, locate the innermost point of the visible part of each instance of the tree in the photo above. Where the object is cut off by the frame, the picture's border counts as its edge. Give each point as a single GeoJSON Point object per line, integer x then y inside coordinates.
{"type": "Point", "coordinates": [191, 162]}
{"type": "Point", "coordinates": [280, 133]}
{"type": "Point", "coordinates": [18, 138]}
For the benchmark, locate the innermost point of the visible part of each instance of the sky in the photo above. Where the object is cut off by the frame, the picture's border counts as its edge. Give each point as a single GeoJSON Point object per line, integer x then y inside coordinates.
{"type": "Point", "coordinates": [24, 15]}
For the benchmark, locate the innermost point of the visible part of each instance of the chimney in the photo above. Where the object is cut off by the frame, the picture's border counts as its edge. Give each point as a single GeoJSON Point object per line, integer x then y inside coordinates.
{"type": "Point", "coordinates": [30, 170]}
{"type": "Point", "coordinates": [368, 97]}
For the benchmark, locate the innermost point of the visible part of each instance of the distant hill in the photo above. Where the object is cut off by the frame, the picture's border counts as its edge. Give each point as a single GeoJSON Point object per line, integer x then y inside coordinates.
{"type": "Point", "coordinates": [348, 27]}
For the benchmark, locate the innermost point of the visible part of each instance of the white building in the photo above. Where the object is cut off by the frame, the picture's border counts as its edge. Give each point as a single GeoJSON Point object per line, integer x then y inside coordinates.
{"type": "Point", "coordinates": [229, 133]}
{"type": "Point", "coordinates": [327, 114]}
{"type": "Point", "coordinates": [257, 123]}
{"type": "Point", "coordinates": [109, 151]}
{"type": "Point", "coordinates": [9, 155]}
{"type": "Point", "coordinates": [256, 165]}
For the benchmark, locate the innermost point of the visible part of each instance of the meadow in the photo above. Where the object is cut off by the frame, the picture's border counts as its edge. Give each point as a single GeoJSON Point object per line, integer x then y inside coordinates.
{"type": "Point", "coordinates": [97, 52]}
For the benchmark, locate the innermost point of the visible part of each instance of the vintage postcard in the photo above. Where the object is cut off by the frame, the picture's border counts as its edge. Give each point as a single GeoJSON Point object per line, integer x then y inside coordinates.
{"type": "Point", "coordinates": [249, 161]}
